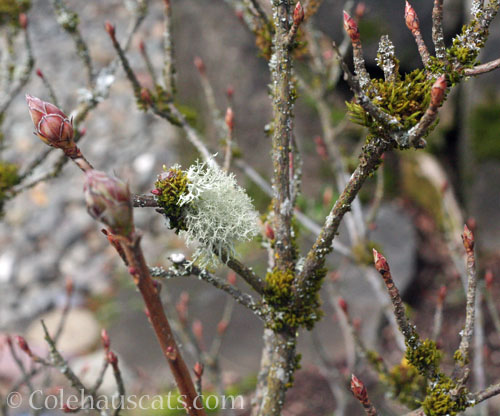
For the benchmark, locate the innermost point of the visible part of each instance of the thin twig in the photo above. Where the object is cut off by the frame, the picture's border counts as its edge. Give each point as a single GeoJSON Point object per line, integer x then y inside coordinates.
{"type": "Point", "coordinates": [168, 50]}
{"type": "Point", "coordinates": [183, 268]}
{"type": "Point", "coordinates": [462, 355]}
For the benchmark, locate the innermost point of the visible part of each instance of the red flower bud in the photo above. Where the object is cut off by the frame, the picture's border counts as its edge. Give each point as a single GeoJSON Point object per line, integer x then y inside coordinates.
{"type": "Point", "coordinates": [230, 92]}
{"type": "Point", "coordinates": [108, 201]}
{"type": "Point", "coordinates": [156, 192]}
{"type": "Point", "coordinates": [110, 28]}
{"type": "Point", "coordinates": [105, 339]}
{"type": "Point", "coordinates": [380, 263]}
{"type": "Point", "coordinates": [39, 73]}
{"type": "Point", "coordinates": [229, 119]}
{"type": "Point", "coordinates": [23, 20]}
{"type": "Point", "coordinates": [321, 149]}
{"type": "Point", "coordinates": [198, 369]}
{"type": "Point", "coordinates": [488, 278]}
{"type": "Point", "coordinates": [21, 342]}
{"type": "Point", "coordinates": [298, 14]}
{"type": "Point", "coordinates": [200, 65]}
{"type": "Point", "coordinates": [442, 294]}
{"type": "Point", "coordinates": [112, 358]}
{"type": "Point", "coordinates": [51, 124]}
{"type": "Point", "coordinates": [437, 92]}
{"type": "Point", "coordinates": [142, 47]}
{"type": "Point", "coordinates": [343, 305]}
{"type": "Point", "coordinates": [411, 18]}
{"type": "Point", "coordinates": [351, 27]}
{"type": "Point", "coordinates": [468, 239]}
{"type": "Point", "coordinates": [269, 232]}
{"type": "Point", "coordinates": [198, 330]}
{"type": "Point", "coordinates": [358, 389]}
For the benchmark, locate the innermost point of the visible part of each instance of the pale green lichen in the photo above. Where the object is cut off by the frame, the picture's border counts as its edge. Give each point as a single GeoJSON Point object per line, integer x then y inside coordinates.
{"type": "Point", "coordinates": [216, 213]}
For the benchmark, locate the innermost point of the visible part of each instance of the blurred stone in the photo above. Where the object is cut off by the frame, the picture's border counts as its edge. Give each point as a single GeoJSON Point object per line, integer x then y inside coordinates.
{"type": "Point", "coordinates": [81, 331]}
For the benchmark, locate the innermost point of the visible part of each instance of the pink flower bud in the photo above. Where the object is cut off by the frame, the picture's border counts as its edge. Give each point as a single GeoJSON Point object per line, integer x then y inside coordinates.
{"type": "Point", "coordinates": [39, 73]}
{"type": "Point", "coordinates": [351, 27]}
{"type": "Point", "coordinates": [298, 14]}
{"type": "Point", "coordinates": [229, 119]}
{"type": "Point", "coordinates": [488, 278]}
{"type": "Point", "coordinates": [108, 201]}
{"type": "Point", "coordinates": [51, 124]}
{"type": "Point", "coordinates": [380, 263]}
{"type": "Point", "coordinates": [23, 20]}
{"type": "Point", "coordinates": [200, 65]}
{"type": "Point", "coordinates": [411, 18]}
{"type": "Point", "coordinates": [198, 369]}
{"type": "Point", "coordinates": [156, 192]}
{"type": "Point", "coordinates": [230, 92]}
{"type": "Point", "coordinates": [358, 389]}
{"type": "Point", "coordinates": [222, 327]}
{"type": "Point", "coordinates": [343, 305]}
{"type": "Point", "coordinates": [198, 330]}
{"type": "Point", "coordinates": [438, 91]}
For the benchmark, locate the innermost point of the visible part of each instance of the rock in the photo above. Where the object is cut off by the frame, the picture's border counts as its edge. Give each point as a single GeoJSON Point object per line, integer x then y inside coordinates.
{"type": "Point", "coordinates": [81, 331]}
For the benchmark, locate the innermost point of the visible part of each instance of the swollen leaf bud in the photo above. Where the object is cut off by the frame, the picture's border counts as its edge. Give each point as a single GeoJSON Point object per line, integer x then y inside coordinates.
{"type": "Point", "coordinates": [298, 14]}
{"type": "Point", "coordinates": [358, 389]}
{"type": "Point", "coordinates": [380, 263]}
{"type": "Point", "coordinates": [468, 239]}
{"type": "Point", "coordinates": [411, 18]}
{"type": "Point", "coordinates": [222, 327]}
{"type": "Point", "coordinates": [438, 91]}
{"type": "Point", "coordinates": [231, 278]}
{"type": "Point", "coordinates": [51, 124]}
{"type": "Point", "coordinates": [360, 10]}
{"type": "Point", "coordinates": [108, 201]}
{"type": "Point", "coordinates": [351, 27]}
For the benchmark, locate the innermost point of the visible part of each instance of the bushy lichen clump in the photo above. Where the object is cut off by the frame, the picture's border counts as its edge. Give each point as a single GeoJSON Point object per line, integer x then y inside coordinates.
{"type": "Point", "coordinates": [208, 208]}
{"type": "Point", "coordinates": [8, 178]}
{"type": "Point", "coordinates": [291, 309]}
{"type": "Point", "coordinates": [443, 396]}
{"type": "Point", "coordinates": [405, 99]}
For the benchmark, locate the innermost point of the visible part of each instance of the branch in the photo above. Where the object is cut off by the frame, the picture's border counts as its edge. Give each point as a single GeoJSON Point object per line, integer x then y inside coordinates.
{"type": "Point", "coordinates": [462, 354]}
{"type": "Point", "coordinates": [437, 30]}
{"type": "Point", "coordinates": [183, 268]}
{"type": "Point", "coordinates": [483, 68]}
